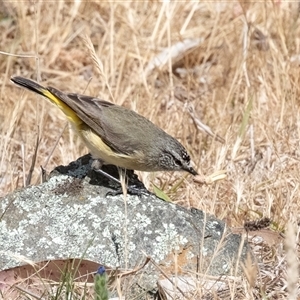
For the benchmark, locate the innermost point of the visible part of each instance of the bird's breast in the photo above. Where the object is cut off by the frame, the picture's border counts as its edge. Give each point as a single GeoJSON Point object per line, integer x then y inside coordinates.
{"type": "Point", "coordinates": [99, 149]}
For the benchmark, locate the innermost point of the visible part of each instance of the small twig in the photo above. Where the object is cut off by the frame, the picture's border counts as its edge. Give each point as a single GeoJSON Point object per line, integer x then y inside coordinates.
{"type": "Point", "coordinates": [55, 144]}
{"type": "Point", "coordinates": [33, 161]}
{"type": "Point", "coordinates": [202, 126]}
{"type": "Point", "coordinates": [18, 55]}
{"type": "Point", "coordinates": [28, 292]}
{"type": "Point", "coordinates": [135, 270]}
{"type": "Point", "coordinates": [167, 277]}
{"type": "Point", "coordinates": [216, 176]}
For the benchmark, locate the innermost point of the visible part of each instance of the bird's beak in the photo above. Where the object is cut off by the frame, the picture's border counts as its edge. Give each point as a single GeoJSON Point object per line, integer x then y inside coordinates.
{"type": "Point", "coordinates": [191, 170]}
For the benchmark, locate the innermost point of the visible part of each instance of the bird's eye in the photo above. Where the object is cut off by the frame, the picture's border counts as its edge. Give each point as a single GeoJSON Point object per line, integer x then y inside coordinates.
{"type": "Point", "coordinates": [178, 162]}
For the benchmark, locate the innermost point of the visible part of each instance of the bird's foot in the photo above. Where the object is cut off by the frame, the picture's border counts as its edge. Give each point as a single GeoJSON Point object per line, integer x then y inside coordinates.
{"type": "Point", "coordinates": [134, 186]}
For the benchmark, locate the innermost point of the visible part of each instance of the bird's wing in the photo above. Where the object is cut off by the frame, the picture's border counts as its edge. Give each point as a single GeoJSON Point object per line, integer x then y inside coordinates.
{"type": "Point", "coordinates": [120, 128]}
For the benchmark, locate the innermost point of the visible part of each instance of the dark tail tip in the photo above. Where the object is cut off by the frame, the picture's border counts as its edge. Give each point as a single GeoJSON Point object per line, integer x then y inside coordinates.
{"type": "Point", "coordinates": [28, 84]}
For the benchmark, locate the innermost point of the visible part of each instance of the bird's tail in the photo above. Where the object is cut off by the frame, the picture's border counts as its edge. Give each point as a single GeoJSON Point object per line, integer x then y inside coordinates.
{"type": "Point", "coordinates": [57, 98]}
{"type": "Point", "coordinates": [30, 85]}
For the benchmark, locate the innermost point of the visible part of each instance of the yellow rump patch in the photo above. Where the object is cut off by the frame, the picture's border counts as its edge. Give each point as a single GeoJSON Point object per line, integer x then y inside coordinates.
{"type": "Point", "coordinates": [67, 110]}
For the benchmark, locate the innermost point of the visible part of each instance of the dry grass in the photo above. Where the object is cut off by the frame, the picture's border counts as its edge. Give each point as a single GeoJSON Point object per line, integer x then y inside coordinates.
{"type": "Point", "coordinates": [243, 81]}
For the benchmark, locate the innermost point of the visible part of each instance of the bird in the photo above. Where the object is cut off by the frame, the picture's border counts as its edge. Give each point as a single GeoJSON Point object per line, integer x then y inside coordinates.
{"type": "Point", "coordinates": [115, 134]}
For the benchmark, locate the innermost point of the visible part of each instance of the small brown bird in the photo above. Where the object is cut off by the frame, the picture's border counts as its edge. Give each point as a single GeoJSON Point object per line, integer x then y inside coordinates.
{"type": "Point", "coordinates": [116, 135]}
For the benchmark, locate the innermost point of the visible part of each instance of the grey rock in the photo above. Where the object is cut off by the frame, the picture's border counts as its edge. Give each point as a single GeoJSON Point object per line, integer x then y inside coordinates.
{"type": "Point", "coordinates": [71, 216]}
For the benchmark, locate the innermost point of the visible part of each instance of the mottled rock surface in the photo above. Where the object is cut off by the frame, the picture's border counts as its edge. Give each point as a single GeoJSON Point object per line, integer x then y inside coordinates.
{"type": "Point", "coordinates": [70, 216]}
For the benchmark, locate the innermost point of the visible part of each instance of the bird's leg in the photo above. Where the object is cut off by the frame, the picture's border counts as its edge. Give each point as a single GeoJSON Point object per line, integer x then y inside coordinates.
{"type": "Point", "coordinates": [97, 165]}
{"type": "Point", "coordinates": [135, 187]}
